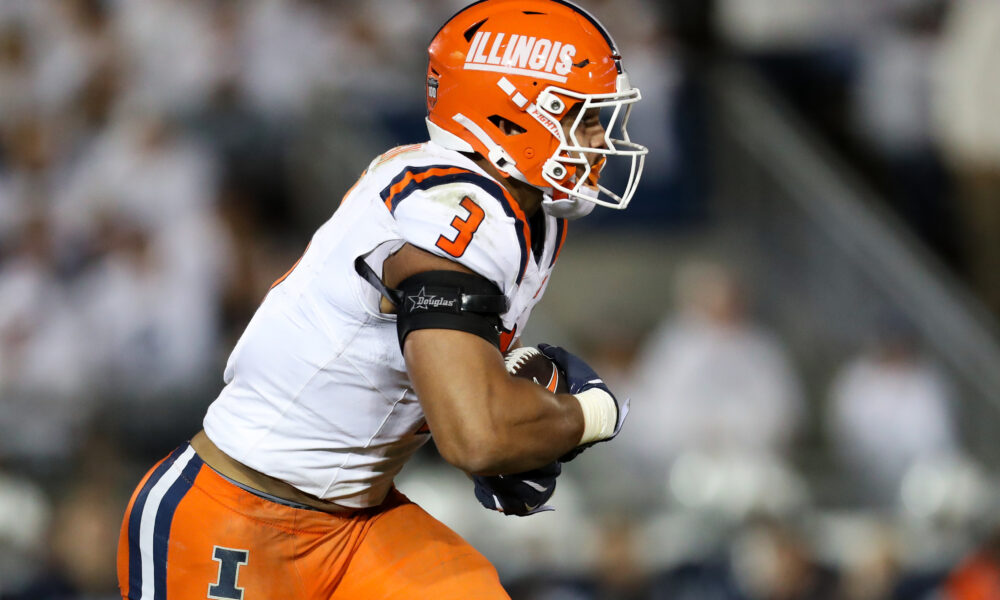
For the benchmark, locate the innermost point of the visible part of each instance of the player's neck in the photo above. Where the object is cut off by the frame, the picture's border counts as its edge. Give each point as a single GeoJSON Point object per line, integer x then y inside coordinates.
{"type": "Point", "coordinates": [527, 196]}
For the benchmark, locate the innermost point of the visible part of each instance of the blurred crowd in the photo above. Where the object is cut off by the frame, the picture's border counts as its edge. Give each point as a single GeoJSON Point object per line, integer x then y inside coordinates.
{"type": "Point", "coordinates": [903, 88]}
{"type": "Point", "coordinates": [162, 161]}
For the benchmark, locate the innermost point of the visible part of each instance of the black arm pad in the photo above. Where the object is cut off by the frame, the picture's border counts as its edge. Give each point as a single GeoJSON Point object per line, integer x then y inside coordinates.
{"type": "Point", "coordinates": [450, 300]}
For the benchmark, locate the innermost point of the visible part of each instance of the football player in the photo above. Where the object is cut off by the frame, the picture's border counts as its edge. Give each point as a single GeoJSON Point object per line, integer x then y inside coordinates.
{"type": "Point", "coordinates": [391, 328]}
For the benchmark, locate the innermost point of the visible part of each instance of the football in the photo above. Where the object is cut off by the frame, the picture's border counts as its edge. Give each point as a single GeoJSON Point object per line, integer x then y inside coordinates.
{"type": "Point", "coordinates": [529, 362]}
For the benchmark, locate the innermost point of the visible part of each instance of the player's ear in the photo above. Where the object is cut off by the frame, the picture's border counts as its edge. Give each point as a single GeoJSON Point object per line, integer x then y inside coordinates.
{"type": "Point", "coordinates": [506, 126]}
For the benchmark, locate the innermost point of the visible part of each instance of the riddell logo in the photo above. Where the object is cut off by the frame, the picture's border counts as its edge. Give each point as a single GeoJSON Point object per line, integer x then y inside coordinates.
{"type": "Point", "coordinates": [520, 55]}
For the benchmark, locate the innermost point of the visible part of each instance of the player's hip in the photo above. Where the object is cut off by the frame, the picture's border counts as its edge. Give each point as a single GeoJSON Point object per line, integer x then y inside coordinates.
{"type": "Point", "coordinates": [188, 527]}
{"type": "Point", "coordinates": [189, 531]}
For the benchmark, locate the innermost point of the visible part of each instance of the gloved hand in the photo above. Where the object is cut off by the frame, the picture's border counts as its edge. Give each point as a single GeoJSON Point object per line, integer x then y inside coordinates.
{"type": "Point", "coordinates": [581, 378]}
{"type": "Point", "coordinates": [520, 494]}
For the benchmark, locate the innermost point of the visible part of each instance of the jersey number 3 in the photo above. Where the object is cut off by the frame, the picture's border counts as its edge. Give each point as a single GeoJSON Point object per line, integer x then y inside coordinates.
{"type": "Point", "coordinates": [466, 227]}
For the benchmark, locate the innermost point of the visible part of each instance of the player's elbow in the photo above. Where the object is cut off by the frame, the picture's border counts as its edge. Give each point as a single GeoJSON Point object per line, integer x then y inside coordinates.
{"type": "Point", "coordinates": [479, 453]}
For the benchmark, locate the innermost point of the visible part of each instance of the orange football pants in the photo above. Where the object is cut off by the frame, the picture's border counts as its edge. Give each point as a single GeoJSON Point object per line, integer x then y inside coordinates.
{"type": "Point", "coordinates": [189, 533]}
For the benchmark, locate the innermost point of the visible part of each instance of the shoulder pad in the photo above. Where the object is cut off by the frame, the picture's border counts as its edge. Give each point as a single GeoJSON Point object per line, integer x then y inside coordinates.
{"type": "Point", "coordinates": [424, 182]}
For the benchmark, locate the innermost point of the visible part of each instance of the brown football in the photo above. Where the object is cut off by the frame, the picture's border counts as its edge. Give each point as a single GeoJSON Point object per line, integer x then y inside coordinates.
{"type": "Point", "coordinates": [529, 362]}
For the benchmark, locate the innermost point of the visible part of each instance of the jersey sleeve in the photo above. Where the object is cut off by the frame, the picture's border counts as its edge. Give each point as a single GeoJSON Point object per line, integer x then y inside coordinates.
{"type": "Point", "coordinates": [463, 216]}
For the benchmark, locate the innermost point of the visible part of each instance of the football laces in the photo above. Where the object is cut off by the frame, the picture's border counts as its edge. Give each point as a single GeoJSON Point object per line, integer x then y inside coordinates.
{"type": "Point", "coordinates": [515, 359]}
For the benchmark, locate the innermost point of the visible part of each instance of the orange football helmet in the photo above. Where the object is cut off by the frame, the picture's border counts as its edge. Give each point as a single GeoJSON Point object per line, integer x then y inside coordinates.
{"type": "Point", "coordinates": [529, 63]}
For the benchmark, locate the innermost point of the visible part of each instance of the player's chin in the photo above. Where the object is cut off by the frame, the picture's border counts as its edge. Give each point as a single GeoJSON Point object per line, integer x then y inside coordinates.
{"type": "Point", "coordinates": [592, 184]}
{"type": "Point", "coordinates": [590, 178]}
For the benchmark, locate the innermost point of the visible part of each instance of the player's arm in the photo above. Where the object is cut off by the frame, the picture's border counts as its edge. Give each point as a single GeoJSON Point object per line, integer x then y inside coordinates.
{"type": "Point", "coordinates": [484, 421]}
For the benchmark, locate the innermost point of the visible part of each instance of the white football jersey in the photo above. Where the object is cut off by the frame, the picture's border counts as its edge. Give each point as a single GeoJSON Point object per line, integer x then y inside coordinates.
{"type": "Point", "coordinates": [317, 392]}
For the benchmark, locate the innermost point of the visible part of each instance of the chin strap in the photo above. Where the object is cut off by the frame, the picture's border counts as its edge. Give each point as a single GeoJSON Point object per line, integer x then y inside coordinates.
{"type": "Point", "coordinates": [563, 206]}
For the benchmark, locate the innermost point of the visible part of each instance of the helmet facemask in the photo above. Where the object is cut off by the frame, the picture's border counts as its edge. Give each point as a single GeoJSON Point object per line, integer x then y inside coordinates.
{"type": "Point", "coordinates": [574, 169]}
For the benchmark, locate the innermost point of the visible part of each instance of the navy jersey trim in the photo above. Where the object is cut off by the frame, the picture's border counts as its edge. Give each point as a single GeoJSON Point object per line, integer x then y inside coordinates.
{"type": "Point", "coordinates": [162, 515]}
{"type": "Point", "coordinates": [164, 518]}
{"type": "Point", "coordinates": [560, 229]}
{"type": "Point", "coordinates": [134, 519]}
{"type": "Point", "coordinates": [420, 179]}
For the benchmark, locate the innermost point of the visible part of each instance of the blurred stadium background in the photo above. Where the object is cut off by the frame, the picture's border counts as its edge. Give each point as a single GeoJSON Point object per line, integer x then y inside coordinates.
{"type": "Point", "coordinates": [802, 300]}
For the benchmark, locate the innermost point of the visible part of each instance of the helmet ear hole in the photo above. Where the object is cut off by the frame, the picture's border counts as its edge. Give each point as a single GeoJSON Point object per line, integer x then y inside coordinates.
{"type": "Point", "coordinates": [506, 126]}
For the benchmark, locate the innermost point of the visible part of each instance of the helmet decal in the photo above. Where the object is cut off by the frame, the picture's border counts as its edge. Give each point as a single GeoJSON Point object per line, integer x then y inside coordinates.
{"type": "Point", "coordinates": [432, 92]}
{"type": "Point", "coordinates": [519, 54]}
